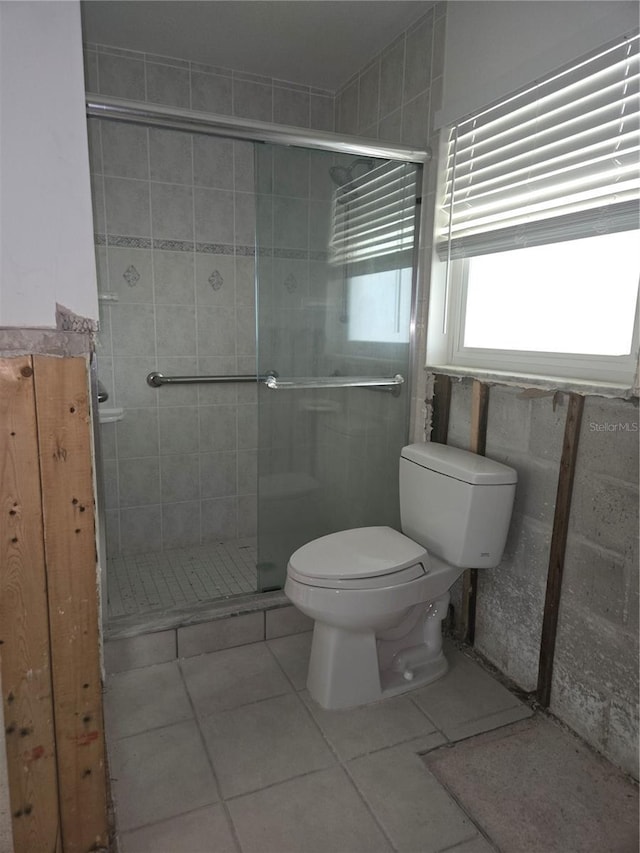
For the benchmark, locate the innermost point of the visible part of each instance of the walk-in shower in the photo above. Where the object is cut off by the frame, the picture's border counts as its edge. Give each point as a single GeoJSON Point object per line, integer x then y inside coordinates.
{"type": "Point", "coordinates": [256, 288]}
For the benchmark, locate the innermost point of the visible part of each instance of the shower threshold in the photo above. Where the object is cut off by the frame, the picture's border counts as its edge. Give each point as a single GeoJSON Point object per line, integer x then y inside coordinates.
{"type": "Point", "coordinates": [155, 590]}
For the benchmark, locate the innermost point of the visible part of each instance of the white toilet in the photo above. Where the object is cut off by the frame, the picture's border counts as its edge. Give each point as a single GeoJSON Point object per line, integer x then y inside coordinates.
{"type": "Point", "coordinates": [378, 597]}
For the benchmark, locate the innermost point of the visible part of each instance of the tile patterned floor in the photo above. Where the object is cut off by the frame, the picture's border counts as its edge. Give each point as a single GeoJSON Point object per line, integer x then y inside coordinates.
{"type": "Point", "coordinates": [160, 581]}
{"type": "Point", "coordinates": [227, 752]}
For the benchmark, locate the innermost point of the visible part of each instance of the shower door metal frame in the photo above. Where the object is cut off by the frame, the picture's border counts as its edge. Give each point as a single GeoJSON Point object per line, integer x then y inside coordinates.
{"type": "Point", "coordinates": [211, 124]}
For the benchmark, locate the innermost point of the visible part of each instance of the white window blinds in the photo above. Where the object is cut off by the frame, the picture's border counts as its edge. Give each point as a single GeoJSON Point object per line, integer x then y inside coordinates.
{"type": "Point", "coordinates": [375, 214]}
{"type": "Point", "coordinates": [555, 162]}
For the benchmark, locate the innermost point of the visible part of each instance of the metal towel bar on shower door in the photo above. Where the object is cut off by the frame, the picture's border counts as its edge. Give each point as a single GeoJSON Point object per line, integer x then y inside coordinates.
{"type": "Point", "coordinates": [275, 383]}
{"type": "Point", "coordinates": [385, 383]}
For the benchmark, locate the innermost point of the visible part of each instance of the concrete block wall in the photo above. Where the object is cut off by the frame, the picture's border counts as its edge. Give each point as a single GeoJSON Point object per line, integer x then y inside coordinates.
{"type": "Point", "coordinates": [595, 685]}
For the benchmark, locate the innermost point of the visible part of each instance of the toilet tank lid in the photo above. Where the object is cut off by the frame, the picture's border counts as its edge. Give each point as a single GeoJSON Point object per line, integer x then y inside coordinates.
{"type": "Point", "coordinates": [460, 464]}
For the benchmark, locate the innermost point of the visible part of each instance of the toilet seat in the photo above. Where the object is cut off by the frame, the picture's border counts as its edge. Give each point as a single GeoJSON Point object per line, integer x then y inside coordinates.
{"type": "Point", "coordinates": [364, 558]}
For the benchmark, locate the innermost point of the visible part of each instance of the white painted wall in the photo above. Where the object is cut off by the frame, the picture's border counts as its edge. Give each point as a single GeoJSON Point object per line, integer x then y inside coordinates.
{"type": "Point", "coordinates": [46, 224]}
{"type": "Point", "coordinates": [494, 47]}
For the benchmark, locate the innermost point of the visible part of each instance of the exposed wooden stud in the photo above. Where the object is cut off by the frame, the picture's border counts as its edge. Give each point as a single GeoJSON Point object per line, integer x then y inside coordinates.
{"type": "Point", "coordinates": [63, 415]}
{"type": "Point", "coordinates": [558, 546]}
{"type": "Point", "coordinates": [441, 408]}
{"type": "Point", "coordinates": [477, 444]}
{"type": "Point", "coordinates": [24, 621]}
{"type": "Point", "coordinates": [479, 416]}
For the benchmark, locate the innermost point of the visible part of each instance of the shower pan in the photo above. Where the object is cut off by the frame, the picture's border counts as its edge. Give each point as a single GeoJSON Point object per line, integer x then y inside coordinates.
{"type": "Point", "coordinates": [256, 290]}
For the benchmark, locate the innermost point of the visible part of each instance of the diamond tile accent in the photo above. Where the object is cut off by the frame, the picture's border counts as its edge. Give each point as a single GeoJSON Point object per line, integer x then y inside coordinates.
{"type": "Point", "coordinates": [131, 275]}
{"type": "Point", "coordinates": [216, 280]}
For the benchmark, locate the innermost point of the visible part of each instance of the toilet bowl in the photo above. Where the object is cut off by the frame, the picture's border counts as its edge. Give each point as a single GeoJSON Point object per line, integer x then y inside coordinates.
{"type": "Point", "coordinates": [378, 597]}
{"type": "Point", "coordinates": [365, 618]}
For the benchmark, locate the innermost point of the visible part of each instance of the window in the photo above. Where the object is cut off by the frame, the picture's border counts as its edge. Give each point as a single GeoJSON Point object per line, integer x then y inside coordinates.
{"type": "Point", "coordinates": [380, 306]}
{"type": "Point", "coordinates": [374, 230]}
{"type": "Point", "coordinates": [538, 239]}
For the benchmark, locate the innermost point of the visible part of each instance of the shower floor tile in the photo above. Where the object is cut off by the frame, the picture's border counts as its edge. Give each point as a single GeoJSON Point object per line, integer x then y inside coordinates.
{"type": "Point", "coordinates": [154, 582]}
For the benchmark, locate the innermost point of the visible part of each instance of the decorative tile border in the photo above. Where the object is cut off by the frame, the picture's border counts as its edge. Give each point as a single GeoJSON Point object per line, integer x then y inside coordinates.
{"type": "Point", "coordinates": [128, 242]}
{"type": "Point", "coordinates": [216, 248]}
{"type": "Point", "coordinates": [123, 242]}
{"type": "Point", "coordinates": [291, 254]}
{"type": "Point", "coordinates": [174, 245]}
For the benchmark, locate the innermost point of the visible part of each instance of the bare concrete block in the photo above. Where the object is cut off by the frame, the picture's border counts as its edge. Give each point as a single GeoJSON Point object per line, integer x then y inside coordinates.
{"type": "Point", "coordinates": [609, 438]}
{"type": "Point", "coordinates": [286, 620]}
{"type": "Point", "coordinates": [537, 484]}
{"type": "Point", "coordinates": [508, 420]}
{"type": "Point", "coordinates": [595, 579]}
{"type": "Point", "coordinates": [632, 599]}
{"type": "Point", "coordinates": [508, 635]}
{"type": "Point", "coordinates": [460, 414]}
{"type": "Point", "coordinates": [143, 650]}
{"type": "Point", "coordinates": [605, 511]}
{"type": "Point", "coordinates": [546, 430]}
{"type": "Point", "coordinates": [622, 736]}
{"type": "Point", "coordinates": [220, 634]}
{"type": "Point", "coordinates": [583, 707]}
{"type": "Point", "coordinates": [597, 653]}
{"type": "Point", "coordinates": [511, 603]}
{"type": "Point", "coordinates": [526, 555]}
{"type": "Point", "coordinates": [606, 722]}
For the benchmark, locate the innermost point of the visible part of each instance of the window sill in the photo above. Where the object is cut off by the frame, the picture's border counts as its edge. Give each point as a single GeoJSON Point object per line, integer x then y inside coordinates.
{"type": "Point", "coordinates": [532, 380]}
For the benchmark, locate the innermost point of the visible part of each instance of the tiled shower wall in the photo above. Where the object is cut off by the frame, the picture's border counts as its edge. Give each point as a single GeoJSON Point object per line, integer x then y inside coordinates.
{"type": "Point", "coordinates": [394, 98]}
{"type": "Point", "coordinates": [174, 218]}
{"type": "Point", "coordinates": [177, 220]}
{"type": "Point", "coordinates": [175, 235]}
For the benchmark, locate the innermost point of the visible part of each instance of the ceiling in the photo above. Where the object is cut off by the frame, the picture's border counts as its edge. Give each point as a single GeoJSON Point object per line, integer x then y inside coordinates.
{"type": "Point", "coordinates": [319, 43]}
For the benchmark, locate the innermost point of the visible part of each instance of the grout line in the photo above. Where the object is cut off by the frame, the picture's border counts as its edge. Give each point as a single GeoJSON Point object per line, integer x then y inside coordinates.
{"type": "Point", "coordinates": [159, 823]}
{"type": "Point", "coordinates": [340, 763]}
{"type": "Point", "coordinates": [464, 810]}
{"type": "Point", "coordinates": [203, 740]}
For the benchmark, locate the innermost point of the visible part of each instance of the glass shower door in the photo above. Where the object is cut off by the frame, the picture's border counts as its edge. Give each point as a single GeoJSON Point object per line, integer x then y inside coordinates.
{"type": "Point", "coordinates": [335, 277]}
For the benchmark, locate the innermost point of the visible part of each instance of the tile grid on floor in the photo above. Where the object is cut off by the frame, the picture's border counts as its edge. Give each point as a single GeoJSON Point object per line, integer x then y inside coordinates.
{"type": "Point", "coordinates": [344, 764]}
{"type": "Point", "coordinates": [433, 736]}
{"type": "Point", "coordinates": [203, 741]}
{"type": "Point", "coordinates": [157, 581]}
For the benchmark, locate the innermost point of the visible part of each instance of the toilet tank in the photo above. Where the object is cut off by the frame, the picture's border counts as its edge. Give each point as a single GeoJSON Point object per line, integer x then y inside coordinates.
{"type": "Point", "coordinates": [456, 504]}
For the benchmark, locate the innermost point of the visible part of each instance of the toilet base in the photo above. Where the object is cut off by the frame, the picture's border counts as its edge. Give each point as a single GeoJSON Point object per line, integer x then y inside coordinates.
{"type": "Point", "coordinates": [351, 668]}
{"type": "Point", "coordinates": [394, 683]}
